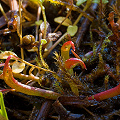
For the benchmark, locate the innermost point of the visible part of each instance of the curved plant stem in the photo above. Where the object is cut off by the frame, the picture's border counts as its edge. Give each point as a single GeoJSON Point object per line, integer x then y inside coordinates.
{"type": "Point", "coordinates": [65, 49]}
{"type": "Point", "coordinates": [1, 76]}
{"type": "Point", "coordinates": [47, 70]}
{"type": "Point", "coordinates": [10, 81]}
{"type": "Point", "coordinates": [106, 94]}
{"type": "Point", "coordinates": [22, 76]}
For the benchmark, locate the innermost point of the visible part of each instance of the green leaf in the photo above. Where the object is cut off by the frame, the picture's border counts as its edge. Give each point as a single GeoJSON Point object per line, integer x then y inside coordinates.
{"type": "Point", "coordinates": [79, 2]}
{"type": "Point", "coordinates": [43, 41]}
{"type": "Point", "coordinates": [71, 30]}
{"type": "Point", "coordinates": [38, 22]}
{"type": "Point", "coordinates": [67, 21]}
{"type": "Point", "coordinates": [98, 1]}
{"type": "Point", "coordinates": [3, 113]}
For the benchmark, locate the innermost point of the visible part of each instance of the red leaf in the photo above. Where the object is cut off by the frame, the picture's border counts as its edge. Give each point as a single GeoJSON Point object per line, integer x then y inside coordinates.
{"type": "Point", "coordinates": [67, 45]}
{"type": "Point", "coordinates": [10, 81]}
{"type": "Point", "coordinates": [72, 62]}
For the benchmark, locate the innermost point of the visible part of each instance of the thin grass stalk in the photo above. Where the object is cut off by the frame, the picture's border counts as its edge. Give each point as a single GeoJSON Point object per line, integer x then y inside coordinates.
{"type": "Point", "coordinates": [81, 14]}
{"type": "Point", "coordinates": [22, 52]}
{"type": "Point", "coordinates": [44, 18]}
{"type": "Point", "coordinates": [37, 26]}
{"type": "Point", "coordinates": [2, 10]}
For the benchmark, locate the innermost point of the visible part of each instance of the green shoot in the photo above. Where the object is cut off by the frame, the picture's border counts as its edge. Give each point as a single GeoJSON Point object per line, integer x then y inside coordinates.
{"type": "Point", "coordinates": [43, 41]}
{"type": "Point", "coordinates": [43, 12]}
{"type": "Point", "coordinates": [3, 113]}
{"type": "Point", "coordinates": [79, 2]}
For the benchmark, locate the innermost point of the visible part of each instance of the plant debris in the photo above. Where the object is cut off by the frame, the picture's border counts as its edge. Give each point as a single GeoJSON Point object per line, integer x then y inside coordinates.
{"type": "Point", "coordinates": [60, 59]}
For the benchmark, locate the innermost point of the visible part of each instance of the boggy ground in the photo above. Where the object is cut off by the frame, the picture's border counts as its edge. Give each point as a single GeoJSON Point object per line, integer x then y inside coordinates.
{"type": "Point", "coordinates": [101, 74]}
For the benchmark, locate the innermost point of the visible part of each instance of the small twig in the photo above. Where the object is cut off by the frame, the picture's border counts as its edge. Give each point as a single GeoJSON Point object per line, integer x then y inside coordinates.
{"type": "Point", "coordinates": [88, 111]}
{"type": "Point", "coordinates": [84, 9]}
{"type": "Point", "coordinates": [44, 18]}
{"type": "Point", "coordinates": [37, 26]}
{"type": "Point", "coordinates": [30, 17]}
{"type": "Point", "coordinates": [45, 108]}
{"type": "Point", "coordinates": [13, 5]}
{"type": "Point", "coordinates": [55, 44]}
{"type": "Point", "coordinates": [68, 14]}
{"type": "Point", "coordinates": [2, 10]}
{"type": "Point", "coordinates": [22, 52]}
{"type": "Point", "coordinates": [3, 22]}
{"type": "Point", "coordinates": [82, 30]}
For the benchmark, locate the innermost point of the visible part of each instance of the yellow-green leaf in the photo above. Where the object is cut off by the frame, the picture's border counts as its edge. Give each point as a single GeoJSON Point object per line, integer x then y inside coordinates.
{"type": "Point", "coordinates": [67, 22]}
{"type": "Point", "coordinates": [38, 22]}
{"type": "Point", "coordinates": [98, 1]}
{"type": "Point", "coordinates": [79, 2]}
{"type": "Point", "coordinates": [3, 113]}
{"type": "Point", "coordinates": [71, 30]}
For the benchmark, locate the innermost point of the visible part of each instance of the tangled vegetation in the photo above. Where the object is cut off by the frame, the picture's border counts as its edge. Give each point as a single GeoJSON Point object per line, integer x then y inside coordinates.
{"type": "Point", "coordinates": [60, 59]}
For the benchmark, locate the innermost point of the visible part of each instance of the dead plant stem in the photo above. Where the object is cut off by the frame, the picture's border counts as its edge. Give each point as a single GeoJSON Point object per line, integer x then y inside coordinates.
{"type": "Point", "coordinates": [2, 10]}
{"type": "Point", "coordinates": [22, 52]}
